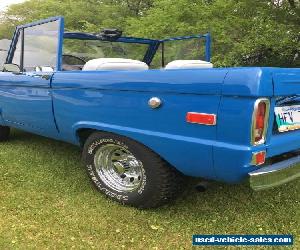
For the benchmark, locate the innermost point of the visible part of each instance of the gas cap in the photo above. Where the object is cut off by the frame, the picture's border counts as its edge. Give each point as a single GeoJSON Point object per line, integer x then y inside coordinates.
{"type": "Point", "coordinates": [154, 102]}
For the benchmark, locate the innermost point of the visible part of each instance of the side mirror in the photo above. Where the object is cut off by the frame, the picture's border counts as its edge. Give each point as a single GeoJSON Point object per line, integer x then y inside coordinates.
{"type": "Point", "coordinates": [10, 67]}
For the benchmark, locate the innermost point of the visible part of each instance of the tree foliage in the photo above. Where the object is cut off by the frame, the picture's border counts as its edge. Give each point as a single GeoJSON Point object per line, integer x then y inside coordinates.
{"type": "Point", "coordinates": [245, 32]}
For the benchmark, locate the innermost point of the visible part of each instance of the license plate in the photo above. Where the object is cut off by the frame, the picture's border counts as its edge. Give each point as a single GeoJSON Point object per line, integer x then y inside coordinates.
{"type": "Point", "coordinates": [288, 118]}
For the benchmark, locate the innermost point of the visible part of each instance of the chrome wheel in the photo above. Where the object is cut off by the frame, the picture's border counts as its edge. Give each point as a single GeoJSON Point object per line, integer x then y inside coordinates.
{"type": "Point", "coordinates": [118, 168]}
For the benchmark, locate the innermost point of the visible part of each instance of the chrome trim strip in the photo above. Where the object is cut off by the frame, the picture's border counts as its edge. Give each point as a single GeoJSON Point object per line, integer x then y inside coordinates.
{"type": "Point", "coordinates": [276, 174]}
{"type": "Point", "coordinates": [263, 140]}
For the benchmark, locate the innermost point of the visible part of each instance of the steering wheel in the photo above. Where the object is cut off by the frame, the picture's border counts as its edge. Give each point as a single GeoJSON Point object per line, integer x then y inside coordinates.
{"type": "Point", "coordinates": [71, 62]}
{"type": "Point", "coordinates": [67, 58]}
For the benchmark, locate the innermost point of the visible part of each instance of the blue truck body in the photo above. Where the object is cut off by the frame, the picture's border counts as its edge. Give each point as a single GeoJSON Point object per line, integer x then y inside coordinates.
{"type": "Point", "coordinates": [116, 101]}
{"type": "Point", "coordinates": [63, 104]}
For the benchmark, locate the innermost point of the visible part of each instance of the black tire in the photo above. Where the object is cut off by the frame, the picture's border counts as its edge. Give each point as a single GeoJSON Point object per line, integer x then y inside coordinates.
{"type": "Point", "coordinates": [4, 133]}
{"type": "Point", "coordinates": [159, 183]}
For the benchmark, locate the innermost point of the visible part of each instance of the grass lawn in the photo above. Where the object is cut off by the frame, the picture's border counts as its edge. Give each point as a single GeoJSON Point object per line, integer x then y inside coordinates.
{"type": "Point", "coordinates": [47, 201]}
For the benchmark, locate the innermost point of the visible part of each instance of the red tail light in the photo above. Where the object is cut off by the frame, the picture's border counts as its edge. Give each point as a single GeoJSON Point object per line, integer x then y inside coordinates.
{"type": "Point", "coordinates": [260, 121]}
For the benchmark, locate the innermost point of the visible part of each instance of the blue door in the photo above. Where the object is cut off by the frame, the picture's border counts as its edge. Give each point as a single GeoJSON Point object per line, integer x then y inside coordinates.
{"type": "Point", "coordinates": [25, 96]}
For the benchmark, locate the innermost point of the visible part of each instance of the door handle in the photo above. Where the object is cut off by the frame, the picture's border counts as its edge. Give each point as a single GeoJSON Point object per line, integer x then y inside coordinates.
{"type": "Point", "coordinates": [45, 77]}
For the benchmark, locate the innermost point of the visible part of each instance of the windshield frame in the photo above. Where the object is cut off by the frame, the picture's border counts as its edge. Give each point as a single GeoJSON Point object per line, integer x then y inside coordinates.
{"type": "Point", "coordinates": [19, 33]}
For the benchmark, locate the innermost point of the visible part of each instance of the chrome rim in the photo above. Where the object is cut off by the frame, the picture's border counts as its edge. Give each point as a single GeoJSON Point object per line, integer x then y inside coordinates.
{"type": "Point", "coordinates": [118, 168]}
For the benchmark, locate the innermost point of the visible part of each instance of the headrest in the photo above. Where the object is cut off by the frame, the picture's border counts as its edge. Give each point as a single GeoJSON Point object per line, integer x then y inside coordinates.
{"type": "Point", "coordinates": [115, 64]}
{"type": "Point", "coordinates": [188, 64]}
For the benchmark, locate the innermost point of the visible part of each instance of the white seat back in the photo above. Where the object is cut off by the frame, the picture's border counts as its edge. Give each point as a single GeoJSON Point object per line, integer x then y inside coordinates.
{"type": "Point", "coordinates": [188, 64]}
{"type": "Point", "coordinates": [114, 64]}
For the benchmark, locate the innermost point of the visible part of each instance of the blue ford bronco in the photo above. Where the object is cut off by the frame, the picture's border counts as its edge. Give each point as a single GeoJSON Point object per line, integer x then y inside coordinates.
{"type": "Point", "coordinates": [149, 112]}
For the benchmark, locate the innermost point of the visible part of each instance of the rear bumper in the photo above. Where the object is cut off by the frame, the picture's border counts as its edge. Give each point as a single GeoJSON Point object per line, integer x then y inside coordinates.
{"type": "Point", "coordinates": [275, 174]}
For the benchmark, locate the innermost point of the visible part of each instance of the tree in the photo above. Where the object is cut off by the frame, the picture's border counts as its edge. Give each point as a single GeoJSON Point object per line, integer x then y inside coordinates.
{"type": "Point", "coordinates": [245, 32]}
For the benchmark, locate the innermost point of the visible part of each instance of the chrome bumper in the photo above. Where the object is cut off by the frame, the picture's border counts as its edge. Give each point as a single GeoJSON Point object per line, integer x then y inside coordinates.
{"type": "Point", "coordinates": [276, 174]}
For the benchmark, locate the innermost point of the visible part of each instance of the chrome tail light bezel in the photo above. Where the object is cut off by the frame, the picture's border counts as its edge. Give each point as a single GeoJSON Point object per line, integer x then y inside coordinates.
{"type": "Point", "coordinates": [266, 121]}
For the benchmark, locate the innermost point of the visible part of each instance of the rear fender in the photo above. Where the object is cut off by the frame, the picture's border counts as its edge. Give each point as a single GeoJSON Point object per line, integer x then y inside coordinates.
{"type": "Point", "coordinates": [175, 149]}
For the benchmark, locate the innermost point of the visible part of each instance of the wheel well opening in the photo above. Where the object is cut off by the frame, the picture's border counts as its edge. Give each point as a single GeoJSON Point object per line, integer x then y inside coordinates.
{"type": "Point", "coordinates": [83, 134]}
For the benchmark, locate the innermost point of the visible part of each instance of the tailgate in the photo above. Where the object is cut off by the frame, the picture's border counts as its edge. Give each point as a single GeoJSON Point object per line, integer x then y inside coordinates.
{"type": "Point", "coordinates": [285, 135]}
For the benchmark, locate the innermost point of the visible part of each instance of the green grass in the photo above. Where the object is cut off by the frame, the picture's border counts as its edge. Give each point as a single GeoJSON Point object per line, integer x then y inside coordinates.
{"type": "Point", "coordinates": [47, 201]}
